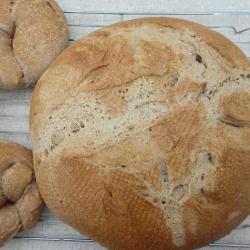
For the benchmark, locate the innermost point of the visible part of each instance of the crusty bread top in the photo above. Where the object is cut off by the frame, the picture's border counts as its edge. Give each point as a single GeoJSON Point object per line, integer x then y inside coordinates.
{"type": "Point", "coordinates": [32, 34]}
{"type": "Point", "coordinates": [20, 201]}
{"type": "Point", "coordinates": [141, 135]}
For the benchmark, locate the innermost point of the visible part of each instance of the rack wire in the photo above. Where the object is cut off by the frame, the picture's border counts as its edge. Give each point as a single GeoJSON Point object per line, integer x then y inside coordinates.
{"type": "Point", "coordinates": [22, 135]}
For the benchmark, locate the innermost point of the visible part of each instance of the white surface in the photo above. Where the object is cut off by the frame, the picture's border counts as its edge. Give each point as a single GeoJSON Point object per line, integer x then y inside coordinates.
{"type": "Point", "coordinates": [229, 17]}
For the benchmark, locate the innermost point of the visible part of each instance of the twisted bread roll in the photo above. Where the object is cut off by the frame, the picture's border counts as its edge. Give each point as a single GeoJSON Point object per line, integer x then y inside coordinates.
{"type": "Point", "coordinates": [32, 33]}
{"type": "Point", "coordinates": [20, 201]}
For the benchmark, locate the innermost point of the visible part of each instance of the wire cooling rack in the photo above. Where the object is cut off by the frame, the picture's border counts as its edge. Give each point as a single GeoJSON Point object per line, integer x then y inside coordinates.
{"type": "Point", "coordinates": [225, 17]}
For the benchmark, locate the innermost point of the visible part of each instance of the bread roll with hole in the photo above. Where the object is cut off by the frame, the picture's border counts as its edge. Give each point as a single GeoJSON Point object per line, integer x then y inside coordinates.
{"type": "Point", "coordinates": [32, 34]}
{"type": "Point", "coordinates": [141, 135]}
{"type": "Point", "coordinates": [20, 201]}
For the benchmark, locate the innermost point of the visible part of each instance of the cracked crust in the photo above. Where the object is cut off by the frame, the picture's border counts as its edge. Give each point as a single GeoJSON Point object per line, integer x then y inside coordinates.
{"type": "Point", "coordinates": [32, 34]}
{"type": "Point", "coordinates": [141, 135]}
{"type": "Point", "coordinates": [20, 201]}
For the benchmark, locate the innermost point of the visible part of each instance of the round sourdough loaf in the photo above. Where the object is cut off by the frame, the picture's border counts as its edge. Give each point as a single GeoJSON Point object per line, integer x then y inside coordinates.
{"type": "Point", "coordinates": [20, 201]}
{"type": "Point", "coordinates": [141, 135]}
{"type": "Point", "coordinates": [32, 34]}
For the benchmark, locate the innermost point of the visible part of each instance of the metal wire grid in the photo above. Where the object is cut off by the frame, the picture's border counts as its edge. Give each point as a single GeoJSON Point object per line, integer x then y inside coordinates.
{"type": "Point", "coordinates": [121, 15]}
{"type": "Point", "coordinates": [89, 240]}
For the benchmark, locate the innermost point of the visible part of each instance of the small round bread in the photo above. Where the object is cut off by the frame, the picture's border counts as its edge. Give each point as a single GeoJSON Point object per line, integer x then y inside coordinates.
{"type": "Point", "coordinates": [20, 201]}
{"type": "Point", "coordinates": [32, 34]}
{"type": "Point", "coordinates": [141, 135]}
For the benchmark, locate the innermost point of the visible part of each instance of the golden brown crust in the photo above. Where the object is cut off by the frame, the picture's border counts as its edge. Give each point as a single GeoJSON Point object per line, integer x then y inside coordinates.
{"type": "Point", "coordinates": [20, 201]}
{"type": "Point", "coordinates": [32, 34]}
{"type": "Point", "coordinates": [234, 109]}
{"type": "Point", "coordinates": [217, 41]}
{"type": "Point", "coordinates": [141, 135]}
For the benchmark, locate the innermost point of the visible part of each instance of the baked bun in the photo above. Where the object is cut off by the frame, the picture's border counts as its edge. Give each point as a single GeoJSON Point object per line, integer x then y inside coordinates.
{"type": "Point", "coordinates": [141, 135]}
{"type": "Point", "coordinates": [32, 34]}
{"type": "Point", "coordinates": [20, 201]}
